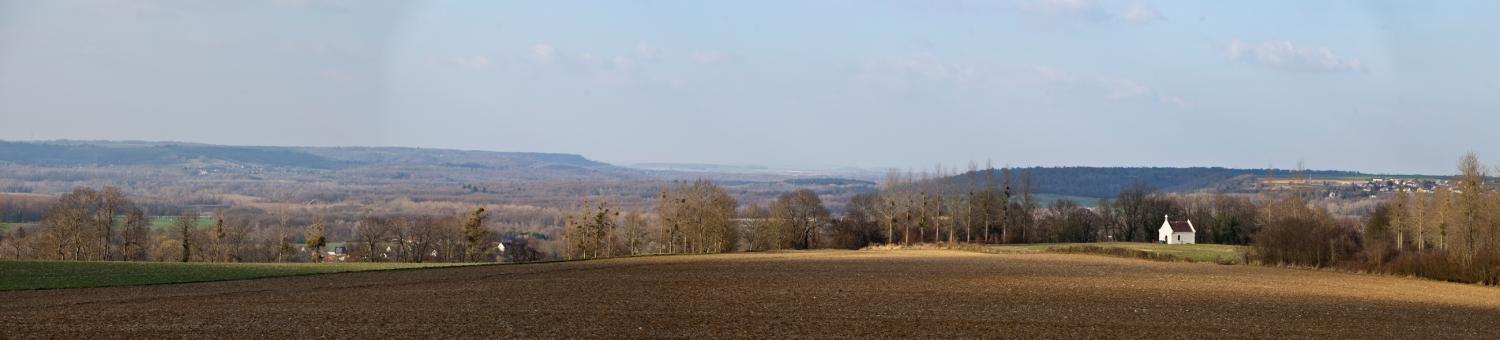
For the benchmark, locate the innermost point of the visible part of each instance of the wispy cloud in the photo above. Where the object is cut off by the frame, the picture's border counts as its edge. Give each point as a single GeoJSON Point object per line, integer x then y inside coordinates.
{"type": "Point", "coordinates": [923, 64]}
{"type": "Point", "coordinates": [589, 58]}
{"type": "Point", "coordinates": [1287, 56]}
{"type": "Point", "coordinates": [475, 62]}
{"type": "Point", "coordinates": [645, 51]}
{"type": "Point", "coordinates": [622, 62]}
{"type": "Point", "coordinates": [1174, 101]}
{"type": "Point", "coordinates": [1141, 14]}
{"type": "Point", "coordinates": [542, 54]}
{"type": "Point", "coordinates": [1120, 89]}
{"type": "Point", "coordinates": [708, 56]}
{"type": "Point", "coordinates": [336, 74]}
{"type": "Point", "coordinates": [1045, 79]}
{"type": "Point", "coordinates": [1070, 9]}
{"type": "Point", "coordinates": [1126, 89]}
{"type": "Point", "coordinates": [328, 6]}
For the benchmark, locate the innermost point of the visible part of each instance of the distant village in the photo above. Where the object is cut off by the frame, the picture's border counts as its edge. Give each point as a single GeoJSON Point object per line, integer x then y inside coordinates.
{"type": "Point", "coordinates": [1355, 189]}
{"type": "Point", "coordinates": [1379, 185]}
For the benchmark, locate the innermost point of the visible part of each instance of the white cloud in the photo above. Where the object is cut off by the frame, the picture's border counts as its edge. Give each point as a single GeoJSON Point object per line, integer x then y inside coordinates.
{"type": "Point", "coordinates": [1286, 56]}
{"type": "Point", "coordinates": [708, 57]}
{"type": "Point", "coordinates": [543, 54]}
{"type": "Point", "coordinates": [1141, 14]}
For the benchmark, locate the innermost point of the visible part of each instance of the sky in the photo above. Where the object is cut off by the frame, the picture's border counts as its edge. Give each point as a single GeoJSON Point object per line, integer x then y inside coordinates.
{"type": "Point", "coordinates": [1389, 87]}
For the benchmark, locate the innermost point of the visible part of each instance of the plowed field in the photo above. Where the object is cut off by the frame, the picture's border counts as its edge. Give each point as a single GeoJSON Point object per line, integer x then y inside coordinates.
{"type": "Point", "coordinates": [900, 293]}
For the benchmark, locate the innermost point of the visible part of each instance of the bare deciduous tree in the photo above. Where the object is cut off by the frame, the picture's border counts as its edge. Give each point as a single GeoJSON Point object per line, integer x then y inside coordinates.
{"type": "Point", "coordinates": [799, 218]}
{"type": "Point", "coordinates": [698, 218]}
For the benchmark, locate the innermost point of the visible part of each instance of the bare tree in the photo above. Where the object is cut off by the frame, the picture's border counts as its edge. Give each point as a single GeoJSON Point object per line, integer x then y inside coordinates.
{"type": "Point", "coordinates": [760, 233]}
{"type": "Point", "coordinates": [860, 225]}
{"type": "Point", "coordinates": [588, 230]}
{"type": "Point", "coordinates": [134, 236]}
{"type": "Point", "coordinates": [799, 218]}
{"type": "Point", "coordinates": [282, 240]}
{"type": "Point", "coordinates": [401, 233]}
{"type": "Point", "coordinates": [425, 239]}
{"type": "Point", "coordinates": [1470, 188]}
{"type": "Point", "coordinates": [698, 218]}
{"type": "Point", "coordinates": [1400, 218]}
{"type": "Point", "coordinates": [368, 234]}
{"type": "Point", "coordinates": [69, 224]}
{"type": "Point", "coordinates": [892, 203]}
{"type": "Point", "coordinates": [969, 201]}
{"type": "Point", "coordinates": [109, 202]}
{"type": "Point", "coordinates": [634, 225]}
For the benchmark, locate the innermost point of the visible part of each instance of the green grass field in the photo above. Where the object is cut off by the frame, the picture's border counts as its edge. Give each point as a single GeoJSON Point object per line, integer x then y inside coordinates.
{"type": "Point", "coordinates": [157, 223]}
{"type": "Point", "coordinates": [167, 222]}
{"type": "Point", "coordinates": [1195, 252]}
{"type": "Point", "coordinates": [25, 275]}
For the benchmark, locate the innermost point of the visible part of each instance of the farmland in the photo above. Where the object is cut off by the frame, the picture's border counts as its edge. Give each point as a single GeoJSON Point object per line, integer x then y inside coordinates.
{"type": "Point", "coordinates": [872, 293]}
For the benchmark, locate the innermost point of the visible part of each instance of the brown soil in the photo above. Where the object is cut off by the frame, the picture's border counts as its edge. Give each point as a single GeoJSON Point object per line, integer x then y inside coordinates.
{"type": "Point", "coordinates": [904, 293]}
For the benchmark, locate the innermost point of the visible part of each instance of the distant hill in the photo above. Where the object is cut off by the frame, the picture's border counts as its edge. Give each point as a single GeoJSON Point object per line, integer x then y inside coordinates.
{"type": "Point", "coordinates": [165, 154]}
{"type": "Point", "coordinates": [1107, 182]}
{"type": "Point", "coordinates": [75, 154]}
{"type": "Point", "coordinates": [826, 181]}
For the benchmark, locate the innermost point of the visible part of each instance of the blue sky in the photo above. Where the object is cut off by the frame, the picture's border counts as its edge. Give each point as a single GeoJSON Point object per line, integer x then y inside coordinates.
{"type": "Point", "coordinates": [1373, 86]}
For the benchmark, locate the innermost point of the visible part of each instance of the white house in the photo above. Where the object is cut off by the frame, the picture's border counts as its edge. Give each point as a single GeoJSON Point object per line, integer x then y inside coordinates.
{"type": "Point", "coordinates": [1179, 232]}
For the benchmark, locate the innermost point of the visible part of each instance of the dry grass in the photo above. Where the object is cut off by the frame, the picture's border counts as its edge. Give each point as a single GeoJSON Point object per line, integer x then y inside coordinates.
{"type": "Point", "coordinates": [873, 293]}
{"type": "Point", "coordinates": [1218, 253]}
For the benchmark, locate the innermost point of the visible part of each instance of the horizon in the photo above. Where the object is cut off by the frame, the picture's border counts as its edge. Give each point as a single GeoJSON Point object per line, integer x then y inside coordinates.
{"type": "Point", "coordinates": [960, 167]}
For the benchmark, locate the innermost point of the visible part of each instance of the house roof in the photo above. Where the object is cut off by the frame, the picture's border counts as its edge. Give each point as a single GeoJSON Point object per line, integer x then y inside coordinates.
{"type": "Point", "coordinates": [1181, 227]}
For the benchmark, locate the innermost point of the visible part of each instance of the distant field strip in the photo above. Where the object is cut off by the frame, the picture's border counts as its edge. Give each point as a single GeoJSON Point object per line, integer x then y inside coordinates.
{"type": "Point", "coordinates": [1190, 252]}
{"type": "Point", "coordinates": [26, 275]}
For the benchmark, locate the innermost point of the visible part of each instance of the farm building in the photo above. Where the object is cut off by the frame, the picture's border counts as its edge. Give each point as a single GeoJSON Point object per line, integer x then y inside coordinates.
{"type": "Point", "coordinates": [1178, 232]}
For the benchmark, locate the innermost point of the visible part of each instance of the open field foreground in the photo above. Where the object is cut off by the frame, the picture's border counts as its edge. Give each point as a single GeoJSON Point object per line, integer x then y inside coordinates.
{"type": "Point", "coordinates": [909, 293]}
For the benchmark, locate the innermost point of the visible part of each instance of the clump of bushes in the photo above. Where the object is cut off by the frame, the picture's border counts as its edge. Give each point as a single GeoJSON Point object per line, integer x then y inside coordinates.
{"type": "Point", "coordinates": [1293, 233]}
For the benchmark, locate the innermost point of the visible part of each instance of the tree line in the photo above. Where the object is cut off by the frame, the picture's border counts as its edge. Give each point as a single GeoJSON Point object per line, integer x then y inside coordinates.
{"type": "Point", "coordinates": [1450, 234]}
{"type": "Point", "coordinates": [90, 224]}
{"type": "Point", "coordinates": [980, 206]}
{"type": "Point", "coordinates": [1447, 234]}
